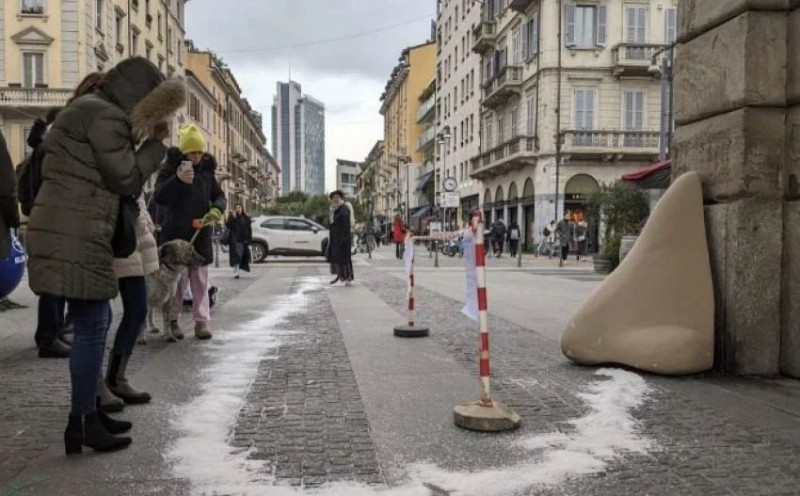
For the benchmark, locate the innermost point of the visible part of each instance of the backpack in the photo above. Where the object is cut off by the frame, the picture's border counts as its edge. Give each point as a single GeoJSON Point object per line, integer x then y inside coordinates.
{"type": "Point", "coordinates": [546, 232]}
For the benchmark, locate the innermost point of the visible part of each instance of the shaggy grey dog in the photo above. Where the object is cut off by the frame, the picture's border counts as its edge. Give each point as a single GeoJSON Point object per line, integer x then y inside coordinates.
{"type": "Point", "coordinates": [173, 258]}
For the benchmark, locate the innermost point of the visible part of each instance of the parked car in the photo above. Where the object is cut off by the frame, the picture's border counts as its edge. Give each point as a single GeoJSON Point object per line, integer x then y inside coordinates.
{"type": "Point", "coordinates": [288, 236]}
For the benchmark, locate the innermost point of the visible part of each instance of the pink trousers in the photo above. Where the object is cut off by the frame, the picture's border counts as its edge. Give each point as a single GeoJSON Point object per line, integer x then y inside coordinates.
{"type": "Point", "coordinates": [197, 279]}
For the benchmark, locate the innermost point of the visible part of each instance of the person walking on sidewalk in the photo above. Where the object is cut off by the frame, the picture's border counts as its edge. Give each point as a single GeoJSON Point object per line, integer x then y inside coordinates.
{"type": "Point", "coordinates": [240, 235]}
{"type": "Point", "coordinates": [582, 237]}
{"type": "Point", "coordinates": [187, 186]}
{"type": "Point", "coordinates": [131, 273]}
{"type": "Point", "coordinates": [398, 236]}
{"type": "Point", "coordinates": [514, 235]}
{"type": "Point", "coordinates": [499, 237]}
{"type": "Point", "coordinates": [339, 252]}
{"type": "Point", "coordinates": [564, 233]}
{"type": "Point", "coordinates": [92, 162]}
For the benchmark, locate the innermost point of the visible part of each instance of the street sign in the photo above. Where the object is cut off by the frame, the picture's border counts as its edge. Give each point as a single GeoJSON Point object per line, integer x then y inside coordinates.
{"type": "Point", "coordinates": [450, 200]}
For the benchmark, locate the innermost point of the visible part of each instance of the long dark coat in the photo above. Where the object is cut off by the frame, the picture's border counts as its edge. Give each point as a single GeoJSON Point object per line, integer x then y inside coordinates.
{"type": "Point", "coordinates": [9, 215]}
{"type": "Point", "coordinates": [339, 248]}
{"type": "Point", "coordinates": [240, 236]}
{"type": "Point", "coordinates": [186, 202]}
{"type": "Point", "coordinates": [91, 159]}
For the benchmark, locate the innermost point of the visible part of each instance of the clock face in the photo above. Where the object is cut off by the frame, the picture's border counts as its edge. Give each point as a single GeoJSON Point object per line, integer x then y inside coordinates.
{"type": "Point", "coordinates": [450, 184]}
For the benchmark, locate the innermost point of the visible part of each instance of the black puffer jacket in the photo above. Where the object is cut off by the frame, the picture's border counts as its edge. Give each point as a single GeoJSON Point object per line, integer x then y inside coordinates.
{"type": "Point", "coordinates": [186, 202]}
{"type": "Point", "coordinates": [91, 160]}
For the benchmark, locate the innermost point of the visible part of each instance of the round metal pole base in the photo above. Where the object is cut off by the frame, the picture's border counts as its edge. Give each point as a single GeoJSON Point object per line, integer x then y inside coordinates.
{"type": "Point", "coordinates": [496, 418]}
{"type": "Point", "coordinates": [411, 332]}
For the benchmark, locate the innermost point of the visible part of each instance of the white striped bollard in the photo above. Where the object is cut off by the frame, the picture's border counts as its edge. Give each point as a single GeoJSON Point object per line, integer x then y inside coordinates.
{"type": "Point", "coordinates": [485, 414]}
{"type": "Point", "coordinates": [412, 330]}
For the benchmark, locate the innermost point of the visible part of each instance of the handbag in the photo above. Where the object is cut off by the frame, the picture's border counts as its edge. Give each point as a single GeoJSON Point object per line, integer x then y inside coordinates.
{"type": "Point", "coordinates": [124, 241]}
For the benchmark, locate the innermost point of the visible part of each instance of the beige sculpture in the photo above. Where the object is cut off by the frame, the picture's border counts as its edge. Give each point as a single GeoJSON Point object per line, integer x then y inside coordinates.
{"type": "Point", "coordinates": [656, 311]}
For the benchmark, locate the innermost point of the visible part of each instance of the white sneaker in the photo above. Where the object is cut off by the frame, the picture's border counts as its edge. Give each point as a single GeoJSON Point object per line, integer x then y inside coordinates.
{"type": "Point", "coordinates": [348, 283]}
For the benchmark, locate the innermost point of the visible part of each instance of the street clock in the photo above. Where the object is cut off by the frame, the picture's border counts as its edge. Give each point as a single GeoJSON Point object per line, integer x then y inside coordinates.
{"type": "Point", "coordinates": [450, 184]}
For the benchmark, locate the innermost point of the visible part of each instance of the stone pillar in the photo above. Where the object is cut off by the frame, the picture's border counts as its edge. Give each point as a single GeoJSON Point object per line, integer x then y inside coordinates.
{"type": "Point", "coordinates": [737, 87]}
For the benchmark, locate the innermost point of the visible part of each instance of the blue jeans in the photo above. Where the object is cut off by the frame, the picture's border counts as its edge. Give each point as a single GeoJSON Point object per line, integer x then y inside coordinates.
{"type": "Point", "coordinates": [91, 320]}
{"type": "Point", "coordinates": [133, 291]}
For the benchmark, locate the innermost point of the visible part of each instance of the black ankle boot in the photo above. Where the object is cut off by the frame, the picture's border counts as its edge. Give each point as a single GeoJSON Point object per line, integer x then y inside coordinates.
{"type": "Point", "coordinates": [113, 426]}
{"type": "Point", "coordinates": [87, 430]}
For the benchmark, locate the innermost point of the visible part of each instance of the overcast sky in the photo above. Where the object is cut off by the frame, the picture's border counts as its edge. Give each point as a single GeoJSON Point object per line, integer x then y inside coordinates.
{"type": "Point", "coordinates": [348, 75]}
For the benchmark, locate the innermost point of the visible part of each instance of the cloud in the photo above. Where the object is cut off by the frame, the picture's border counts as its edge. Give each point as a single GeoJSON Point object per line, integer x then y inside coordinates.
{"type": "Point", "coordinates": [348, 74]}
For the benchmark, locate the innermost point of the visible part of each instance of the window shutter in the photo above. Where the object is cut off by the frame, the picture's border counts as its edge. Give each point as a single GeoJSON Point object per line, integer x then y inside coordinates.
{"type": "Point", "coordinates": [639, 110]}
{"type": "Point", "coordinates": [642, 32]}
{"type": "Point", "coordinates": [535, 35]}
{"type": "Point", "coordinates": [629, 111]}
{"type": "Point", "coordinates": [27, 62]}
{"type": "Point", "coordinates": [579, 110]}
{"type": "Point", "coordinates": [589, 109]}
{"type": "Point", "coordinates": [631, 37]}
{"type": "Point", "coordinates": [602, 25]}
{"type": "Point", "coordinates": [671, 28]}
{"type": "Point", "coordinates": [523, 40]}
{"type": "Point", "coordinates": [570, 27]}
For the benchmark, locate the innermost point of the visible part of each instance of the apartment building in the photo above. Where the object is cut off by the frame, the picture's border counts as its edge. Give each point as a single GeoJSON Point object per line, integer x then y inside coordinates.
{"type": "Point", "coordinates": [457, 99]}
{"type": "Point", "coordinates": [47, 47]}
{"type": "Point", "coordinates": [568, 101]}
{"type": "Point", "coordinates": [400, 107]}
{"type": "Point", "coordinates": [347, 172]}
{"type": "Point", "coordinates": [298, 139]}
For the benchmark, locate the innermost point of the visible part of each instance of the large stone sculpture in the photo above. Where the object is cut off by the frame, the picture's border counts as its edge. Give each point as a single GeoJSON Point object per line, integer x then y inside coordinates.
{"type": "Point", "coordinates": [656, 311]}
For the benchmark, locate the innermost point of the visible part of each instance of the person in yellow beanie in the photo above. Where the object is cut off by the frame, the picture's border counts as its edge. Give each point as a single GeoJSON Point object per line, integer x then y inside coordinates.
{"type": "Point", "coordinates": [188, 189]}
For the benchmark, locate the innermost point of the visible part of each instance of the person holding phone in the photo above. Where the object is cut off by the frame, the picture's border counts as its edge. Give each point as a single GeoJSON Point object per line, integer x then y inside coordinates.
{"type": "Point", "coordinates": [188, 189]}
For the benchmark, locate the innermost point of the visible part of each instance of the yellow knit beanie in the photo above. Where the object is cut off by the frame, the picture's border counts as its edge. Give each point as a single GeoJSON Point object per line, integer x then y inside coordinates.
{"type": "Point", "coordinates": [192, 139]}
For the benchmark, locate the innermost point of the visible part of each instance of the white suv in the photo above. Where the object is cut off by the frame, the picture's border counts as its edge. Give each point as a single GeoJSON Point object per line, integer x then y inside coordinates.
{"type": "Point", "coordinates": [292, 236]}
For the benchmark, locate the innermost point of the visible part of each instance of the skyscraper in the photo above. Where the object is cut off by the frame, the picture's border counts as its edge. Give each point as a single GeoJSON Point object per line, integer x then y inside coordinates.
{"type": "Point", "coordinates": [298, 139]}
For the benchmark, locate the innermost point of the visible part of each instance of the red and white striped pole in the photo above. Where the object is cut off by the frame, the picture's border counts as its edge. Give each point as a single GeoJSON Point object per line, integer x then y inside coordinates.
{"type": "Point", "coordinates": [411, 330]}
{"type": "Point", "coordinates": [485, 414]}
{"type": "Point", "coordinates": [483, 308]}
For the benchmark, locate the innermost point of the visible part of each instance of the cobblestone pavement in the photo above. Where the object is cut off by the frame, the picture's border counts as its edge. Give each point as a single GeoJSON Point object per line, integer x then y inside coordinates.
{"type": "Point", "coordinates": [35, 394]}
{"type": "Point", "coordinates": [700, 448]}
{"type": "Point", "coordinates": [304, 415]}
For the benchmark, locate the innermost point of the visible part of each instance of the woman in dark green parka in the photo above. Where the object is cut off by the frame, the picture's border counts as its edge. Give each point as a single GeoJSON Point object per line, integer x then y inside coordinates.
{"type": "Point", "coordinates": [103, 146]}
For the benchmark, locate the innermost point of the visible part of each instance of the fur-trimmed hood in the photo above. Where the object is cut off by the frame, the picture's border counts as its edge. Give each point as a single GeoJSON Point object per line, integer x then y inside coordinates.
{"type": "Point", "coordinates": [138, 87]}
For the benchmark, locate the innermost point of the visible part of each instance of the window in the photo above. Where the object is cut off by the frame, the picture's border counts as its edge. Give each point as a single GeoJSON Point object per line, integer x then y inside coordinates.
{"type": "Point", "coordinates": [584, 116]}
{"type": "Point", "coordinates": [533, 36]}
{"type": "Point", "coordinates": [99, 14]}
{"type": "Point", "coordinates": [277, 224]}
{"type": "Point", "coordinates": [516, 46]}
{"type": "Point", "coordinates": [489, 136]}
{"type": "Point", "coordinates": [456, 19]}
{"type": "Point", "coordinates": [455, 99]}
{"type": "Point", "coordinates": [160, 30]}
{"type": "Point", "coordinates": [671, 29]}
{"type": "Point", "coordinates": [32, 7]}
{"type": "Point", "coordinates": [501, 128]}
{"type": "Point", "coordinates": [514, 123]}
{"type": "Point", "coordinates": [148, 50]}
{"type": "Point", "coordinates": [33, 65]}
{"type": "Point", "coordinates": [586, 26]}
{"type": "Point", "coordinates": [134, 42]}
{"type": "Point", "coordinates": [531, 114]}
{"type": "Point", "coordinates": [636, 32]}
{"type": "Point", "coordinates": [455, 59]}
{"type": "Point", "coordinates": [118, 27]}
{"type": "Point", "coordinates": [634, 116]}
{"type": "Point", "coordinates": [297, 225]}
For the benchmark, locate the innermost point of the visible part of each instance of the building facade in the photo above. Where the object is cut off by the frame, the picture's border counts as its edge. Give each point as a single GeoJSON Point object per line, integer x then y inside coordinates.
{"type": "Point", "coordinates": [247, 172]}
{"type": "Point", "coordinates": [400, 106]}
{"type": "Point", "coordinates": [47, 47]}
{"type": "Point", "coordinates": [568, 102]}
{"type": "Point", "coordinates": [347, 172]}
{"type": "Point", "coordinates": [298, 139]}
{"type": "Point", "coordinates": [458, 95]}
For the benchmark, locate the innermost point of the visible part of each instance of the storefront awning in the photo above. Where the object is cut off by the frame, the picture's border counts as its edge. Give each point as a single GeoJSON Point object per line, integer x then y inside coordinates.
{"type": "Point", "coordinates": [421, 212]}
{"type": "Point", "coordinates": [656, 176]}
{"type": "Point", "coordinates": [424, 180]}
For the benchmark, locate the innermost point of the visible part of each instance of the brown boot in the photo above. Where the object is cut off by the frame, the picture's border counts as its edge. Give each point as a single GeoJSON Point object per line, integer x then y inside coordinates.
{"type": "Point", "coordinates": [201, 331]}
{"type": "Point", "coordinates": [108, 402]}
{"type": "Point", "coordinates": [119, 385]}
{"type": "Point", "coordinates": [175, 329]}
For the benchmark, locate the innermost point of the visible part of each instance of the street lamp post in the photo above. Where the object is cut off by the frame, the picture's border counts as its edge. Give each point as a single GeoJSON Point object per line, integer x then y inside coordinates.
{"type": "Point", "coordinates": [443, 140]}
{"type": "Point", "coordinates": [664, 72]}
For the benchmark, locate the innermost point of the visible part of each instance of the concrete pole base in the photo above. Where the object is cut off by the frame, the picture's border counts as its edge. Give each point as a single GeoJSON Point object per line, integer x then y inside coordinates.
{"type": "Point", "coordinates": [495, 418]}
{"type": "Point", "coordinates": [411, 332]}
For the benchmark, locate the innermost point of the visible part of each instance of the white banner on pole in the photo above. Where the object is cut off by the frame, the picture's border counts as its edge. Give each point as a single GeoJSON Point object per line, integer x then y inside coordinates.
{"type": "Point", "coordinates": [450, 200]}
{"type": "Point", "coordinates": [471, 301]}
{"type": "Point", "coordinates": [408, 256]}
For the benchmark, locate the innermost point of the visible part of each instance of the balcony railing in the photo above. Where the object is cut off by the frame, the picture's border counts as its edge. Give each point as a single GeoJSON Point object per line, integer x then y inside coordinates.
{"type": "Point", "coordinates": [506, 84]}
{"type": "Point", "coordinates": [34, 97]}
{"type": "Point", "coordinates": [633, 59]}
{"type": "Point", "coordinates": [587, 140]}
{"type": "Point", "coordinates": [426, 109]}
{"type": "Point", "coordinates": [503, 157]}
{"type": "Point", "coordinates": [484, 35]}
{"type": "Point", "coordinates": [427, 138]}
